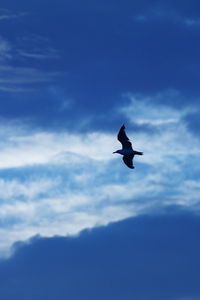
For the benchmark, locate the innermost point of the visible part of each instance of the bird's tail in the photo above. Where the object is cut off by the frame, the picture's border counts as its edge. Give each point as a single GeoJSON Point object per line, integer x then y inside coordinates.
{"type": "Point", "coordinates": [138, 153]}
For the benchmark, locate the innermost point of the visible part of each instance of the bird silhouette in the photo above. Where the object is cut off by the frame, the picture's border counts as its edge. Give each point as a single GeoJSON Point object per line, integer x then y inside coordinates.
{"type": "Point", "coordinates": [127, 150]}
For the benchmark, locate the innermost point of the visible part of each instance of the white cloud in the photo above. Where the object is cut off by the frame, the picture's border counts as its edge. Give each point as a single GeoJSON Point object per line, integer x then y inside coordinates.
{"type": "Point", "coordinates": [78, 183]}
{"type": "Point", "coordinates": [170, 135]}
{"type": "Point", "coordinates": [41, 148]}
{"type": "Point", "coordinates": [144, 110]}
{"type": "Point", "coordinates": [10, 189]}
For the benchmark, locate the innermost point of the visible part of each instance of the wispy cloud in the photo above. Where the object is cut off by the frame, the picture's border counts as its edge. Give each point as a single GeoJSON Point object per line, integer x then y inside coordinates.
{"type": "Point", "coordinates": [166, 14]}
{"type": "Point", "coordinates": [152, 110]}
{"type": "Point", "coordinates": [170, 131]}
{"type": "Point", "coordinates": [192, 22]}
{"type": "Point", "coordinates": [5, 49]}
{"type": "Point", "coordinates": [6, 14]}
{"type": "Point", "coordinates": [36, 47]}
{"type": "Point", "coordinates": [156, 13]}
{"type": "Point", "coordinates": [48, 53]}
{"type": "Point", "coordinates": [19, 79]}
{"type": "Point", "coordinates": [24, 75]}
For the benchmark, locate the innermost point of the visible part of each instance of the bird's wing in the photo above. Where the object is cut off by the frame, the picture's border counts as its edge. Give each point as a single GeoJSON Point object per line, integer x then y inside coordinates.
{"type": "Point", "coordinates": [124, 140]}
{"type": "Point", "coordinates": [128, 160]}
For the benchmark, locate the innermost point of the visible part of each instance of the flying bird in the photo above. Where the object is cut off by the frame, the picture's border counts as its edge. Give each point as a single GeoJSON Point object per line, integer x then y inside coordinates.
{"type": "Point", "coordinates": [127, 150]}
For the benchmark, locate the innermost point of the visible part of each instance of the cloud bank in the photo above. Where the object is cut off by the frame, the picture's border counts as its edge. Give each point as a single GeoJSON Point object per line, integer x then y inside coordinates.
{"type": "Point", "coordinates": [147, 257]}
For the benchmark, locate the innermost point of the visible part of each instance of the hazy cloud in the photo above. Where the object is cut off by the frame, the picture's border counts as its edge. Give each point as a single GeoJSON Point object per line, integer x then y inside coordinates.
{"type": "Point", "coordinates": [5, 50]}
{"type": "Point", "coordinates": [6, 14]}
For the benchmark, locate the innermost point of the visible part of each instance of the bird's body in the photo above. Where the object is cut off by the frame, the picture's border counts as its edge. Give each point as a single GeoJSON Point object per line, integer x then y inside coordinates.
{"type": "Point", "coordinates": [127, 150]}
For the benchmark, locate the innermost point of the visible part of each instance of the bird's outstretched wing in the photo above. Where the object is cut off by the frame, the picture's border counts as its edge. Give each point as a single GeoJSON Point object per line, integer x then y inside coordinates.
{"type": "Point", "coordinates": [128, 160]}
{"type": "Point", "coordinates": [124, 140]}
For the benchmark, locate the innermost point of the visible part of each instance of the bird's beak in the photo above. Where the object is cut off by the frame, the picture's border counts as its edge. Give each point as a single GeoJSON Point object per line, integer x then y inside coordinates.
{"type": "Point", "coordinates": [114, 152]}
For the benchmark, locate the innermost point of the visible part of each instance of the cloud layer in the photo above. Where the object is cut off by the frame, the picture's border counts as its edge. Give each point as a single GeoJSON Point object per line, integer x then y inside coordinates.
{"type": "Point", "coordinates": [60, 183]}
{"type": "Point", "coordinates": [147, 257]}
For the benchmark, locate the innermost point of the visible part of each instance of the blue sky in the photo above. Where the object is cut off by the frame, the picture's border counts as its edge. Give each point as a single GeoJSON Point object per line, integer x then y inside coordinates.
{"type": "Point", "coordinates": [71, 73]}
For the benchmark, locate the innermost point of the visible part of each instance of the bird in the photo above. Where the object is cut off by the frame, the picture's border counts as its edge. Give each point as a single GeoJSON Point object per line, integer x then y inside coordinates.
{"type": "Point", "coordinates": [127, 150]}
